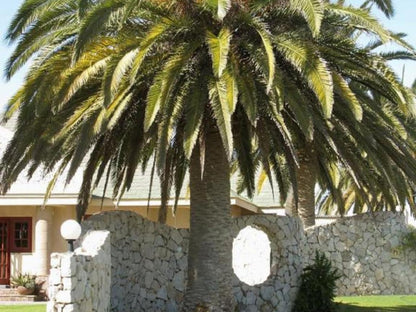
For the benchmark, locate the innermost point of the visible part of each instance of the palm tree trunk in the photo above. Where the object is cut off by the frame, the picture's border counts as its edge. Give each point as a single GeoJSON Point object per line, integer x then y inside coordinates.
{"type": "Point", "coordinates": [306, 176]}
{"type": "Point", "coordinates": [210, 247]}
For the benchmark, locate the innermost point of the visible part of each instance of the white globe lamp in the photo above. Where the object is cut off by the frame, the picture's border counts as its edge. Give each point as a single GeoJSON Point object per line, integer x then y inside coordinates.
{"type": "Point", "coordinates": [70, 231]}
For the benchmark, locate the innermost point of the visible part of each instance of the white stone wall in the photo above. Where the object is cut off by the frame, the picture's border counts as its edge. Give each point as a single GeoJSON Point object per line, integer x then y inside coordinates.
{"type": "Point", "coordinates": [363, 249]}
{"type": "Point", "coordinates": [142, 265]}
{"type": "Point", "coordinates": [149, 263]}
{"type": "Point", "coordinates": [80, 281]}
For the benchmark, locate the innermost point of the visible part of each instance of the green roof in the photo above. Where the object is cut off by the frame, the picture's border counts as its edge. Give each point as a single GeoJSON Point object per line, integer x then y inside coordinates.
{"type": "Point", "coordinates": [140, 188]}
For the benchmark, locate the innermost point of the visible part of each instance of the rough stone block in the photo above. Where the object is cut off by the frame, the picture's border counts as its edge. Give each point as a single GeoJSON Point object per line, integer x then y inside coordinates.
{"type": "Point", "coordinates": [68, 266]}
{"type": "Point", "coordinates": [55, 260]}
{"type": "Point", "coordinates": [64, 296]}
{"type": "Point", "coordinates": [179, 281]}
{"type": "Point", "coordinates": [69, 308]}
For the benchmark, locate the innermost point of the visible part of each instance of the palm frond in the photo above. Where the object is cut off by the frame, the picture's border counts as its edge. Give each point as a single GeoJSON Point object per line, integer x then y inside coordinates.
{"type": "Point", "coordinates": [219, 48]}
{"type": "Point", "coordinates": [313, 12]}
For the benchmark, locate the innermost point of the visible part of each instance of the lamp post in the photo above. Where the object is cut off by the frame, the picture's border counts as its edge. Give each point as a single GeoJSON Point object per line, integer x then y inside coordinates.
{"type": "Point", "coordinates": [70, 231]}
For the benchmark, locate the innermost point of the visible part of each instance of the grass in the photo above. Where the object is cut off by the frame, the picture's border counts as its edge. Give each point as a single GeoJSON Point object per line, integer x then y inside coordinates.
{"type": "Point", "coordinates": [377, 304]}
{"type": "Point", "coordinates": [23, 308]}
{"type": "Point", "coordinates": [345, 304]}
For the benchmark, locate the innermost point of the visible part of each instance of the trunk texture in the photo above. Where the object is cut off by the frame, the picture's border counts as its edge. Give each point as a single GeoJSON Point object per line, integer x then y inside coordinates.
{"type": "Point", "coordinates": [210, 247]}
{"type": "Point", "coordinates": [306, 178]}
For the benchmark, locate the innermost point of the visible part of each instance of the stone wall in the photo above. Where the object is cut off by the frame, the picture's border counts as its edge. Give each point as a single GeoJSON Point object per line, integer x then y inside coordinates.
{"type": "Point", "coordinates": [278, 291]}
{"type": "Point", "coordinates": [80, 281]}
{"type": "Point", "coordinates": [149, 263]}
{"type": "Point", "coordinates": [363, 248]}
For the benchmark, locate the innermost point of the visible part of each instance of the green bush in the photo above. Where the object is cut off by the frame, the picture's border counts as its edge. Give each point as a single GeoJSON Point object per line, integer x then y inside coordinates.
{"type": "Point", "coordinates": [408, 241]}
{"type": "Point", "coordinates": [26, 280]}
{"type": "Point", "coordinates": [317, 289]}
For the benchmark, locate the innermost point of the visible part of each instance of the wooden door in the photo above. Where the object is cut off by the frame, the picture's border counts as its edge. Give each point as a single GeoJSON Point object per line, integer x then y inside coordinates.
{"type": "Point", "coordinates": [4, 252]}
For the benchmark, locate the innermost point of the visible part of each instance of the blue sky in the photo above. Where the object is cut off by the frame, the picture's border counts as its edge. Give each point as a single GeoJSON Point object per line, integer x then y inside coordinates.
{"type": "Point", "coordinates": [403, 21]}
{"type": "Point", "coordinates": [7, 88]}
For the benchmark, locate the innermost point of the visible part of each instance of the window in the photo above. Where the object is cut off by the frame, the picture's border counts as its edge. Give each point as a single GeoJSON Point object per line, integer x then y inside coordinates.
{"type": "Point", "coordinates": [21, 235]}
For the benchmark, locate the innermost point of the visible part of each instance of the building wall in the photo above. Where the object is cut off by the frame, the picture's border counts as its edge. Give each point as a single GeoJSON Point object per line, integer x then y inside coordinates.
{"type": "Point", "coordinates": [30, 262]}
{"type": "Point", "coordinates": [180, 220]}
{"type": "Point", "coordinates": [60, 215]}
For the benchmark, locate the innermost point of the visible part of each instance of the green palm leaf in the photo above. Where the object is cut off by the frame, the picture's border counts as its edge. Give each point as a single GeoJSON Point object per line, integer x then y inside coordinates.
{"type": "Point", "coordinates": [218, 96]}
{"type": "Point", "coordinates": [220, 6]}
{"type": "Point", "coordinates": [361, 18]}
{"type": "Point", "coordinates": [193, 111]}
{"type": "Point", "coordinates": [247, 98]}
{"type": "Point", "coordinates": [346, 93]}
{"type": "Point", "coordinates": [306, 61]}
{"type": "Point", "coordinates": [146, 44]}
{"type": "Point", "coordinates": [116, 73]}
{"type": "Point", "coordinates": [313, 12]}
{"type": "Point", "coordinates": [94, 23]}
{"type": "Point", "coordinates": [219, 48]}
{"type": "Point", "coordinates": [164, 83]}
{"type": "Point", "coordinates": [83, 78]}
{"type": "Point", "coordinates": [268, 47]}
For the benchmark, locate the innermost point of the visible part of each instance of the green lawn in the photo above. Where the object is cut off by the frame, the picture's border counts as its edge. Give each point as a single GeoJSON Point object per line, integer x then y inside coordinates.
{"type": "Point", "coordinates": [345, 304]}
{"type": "Point", "coordinates": [377, 304]}
{"type": "Point", "coordinates": [23, 308]}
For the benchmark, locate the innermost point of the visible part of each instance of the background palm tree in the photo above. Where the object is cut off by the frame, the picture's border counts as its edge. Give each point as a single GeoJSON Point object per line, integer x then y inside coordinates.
{"type": "Point", "coordinates": [348, 199]}
{"type": "Point", "coordinates": [341, 194]}
{"type": "Point", "coordinates": [189, 85]}
{"type": "Point", "coordinates": [353, 141]}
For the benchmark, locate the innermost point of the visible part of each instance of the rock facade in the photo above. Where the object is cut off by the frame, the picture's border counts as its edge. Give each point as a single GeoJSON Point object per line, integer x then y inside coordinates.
{"type": "Point", "coordinates": [80, 281]}
{"type": "Point", "coordinates": [142, 265]}
{"type": "Point", "coordinates": [364, 249]}
{"type": "Point", "coordinates": [149, 263]}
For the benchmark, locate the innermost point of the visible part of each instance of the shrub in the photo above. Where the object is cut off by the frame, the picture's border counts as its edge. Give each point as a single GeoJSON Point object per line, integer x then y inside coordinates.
{"type": "Point", "coordinates": [26, 280]}
{"type": "Point", "coordinates": [317, 289]}
{"type": "Point", "coordinates": [408, 242]}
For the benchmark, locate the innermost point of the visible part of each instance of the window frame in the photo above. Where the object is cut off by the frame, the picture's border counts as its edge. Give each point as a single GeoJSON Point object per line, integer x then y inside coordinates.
{"type": "Point", "coordinates": [12, 242]}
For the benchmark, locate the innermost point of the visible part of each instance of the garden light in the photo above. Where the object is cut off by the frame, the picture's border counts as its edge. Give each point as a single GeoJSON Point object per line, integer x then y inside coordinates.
{"type": "Point", "coordinates": [70, 231]}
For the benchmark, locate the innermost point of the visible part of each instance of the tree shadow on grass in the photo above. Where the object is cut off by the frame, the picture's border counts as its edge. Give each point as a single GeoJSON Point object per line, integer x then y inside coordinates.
{"type": "Point", "coordinates": [342, 307]}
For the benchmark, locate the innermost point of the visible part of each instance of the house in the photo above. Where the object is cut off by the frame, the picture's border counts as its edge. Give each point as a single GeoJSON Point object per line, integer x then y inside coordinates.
{"type": "Point", "coordinates": [30, 227]}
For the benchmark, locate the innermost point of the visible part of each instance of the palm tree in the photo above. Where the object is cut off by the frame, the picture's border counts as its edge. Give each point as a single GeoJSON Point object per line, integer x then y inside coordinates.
{"type": "Point", "coordinates": [119, 81]}
{"type": "Point", "coordinates": [318, 160]}
{"type": "Point", "coordinates": [343, 197]}
{"type": "Point", "coordinates": [191, 85]}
